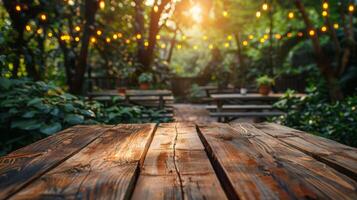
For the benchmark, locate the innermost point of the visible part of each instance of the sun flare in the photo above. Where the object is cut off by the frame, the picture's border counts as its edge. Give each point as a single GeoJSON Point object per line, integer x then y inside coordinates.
{"type": "Point", "coordinates": [196, 13]}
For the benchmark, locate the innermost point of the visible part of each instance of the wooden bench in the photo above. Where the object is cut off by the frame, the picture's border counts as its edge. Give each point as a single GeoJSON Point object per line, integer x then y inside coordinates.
{"type": "Point", "coordinates": [240, 107]}
{"type": "Point", "coordinates": [181, 161]}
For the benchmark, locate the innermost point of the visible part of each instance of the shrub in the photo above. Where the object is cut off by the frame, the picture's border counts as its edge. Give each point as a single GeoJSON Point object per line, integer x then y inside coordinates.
{"type": "Point", "coordinates": [33, 110]}
{"type": "Point", "coordinates": [265, 80]}
{"type": "Point", "coordinates": [145, 78]}
{"type": "Point", "coordinates": [316, 115]}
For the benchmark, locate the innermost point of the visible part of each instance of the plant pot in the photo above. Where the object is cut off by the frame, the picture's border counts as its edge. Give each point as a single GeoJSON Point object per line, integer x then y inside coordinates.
{"type": "Point", "coordinates": [243, 91]}
{"type": "Point", "coordinates": [144, 86]}
{"type": "Point", "coordinates": [122, 90]}
{"type": "Point", "coordinates": [264, 90]}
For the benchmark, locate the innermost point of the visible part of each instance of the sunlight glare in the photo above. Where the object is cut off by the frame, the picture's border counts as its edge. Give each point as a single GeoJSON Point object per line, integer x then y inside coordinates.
{"type": "Point", "coordinates": [196, 13]}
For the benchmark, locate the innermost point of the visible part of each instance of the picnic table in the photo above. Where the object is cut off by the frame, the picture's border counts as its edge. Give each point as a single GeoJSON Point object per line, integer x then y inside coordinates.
{"type": "Point", "coordinates": [181, 161]}
{"type": "Point", "coordinates": [136, 95]}
{"type": "Point", "coordinates": [253, 102]}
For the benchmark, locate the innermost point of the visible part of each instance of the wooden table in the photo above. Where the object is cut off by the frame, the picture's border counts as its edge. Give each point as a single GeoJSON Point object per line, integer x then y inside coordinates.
{"type": "Point", "coordinates": [141, 94]}
{"type": "Point", "coordinates": [252, 100]}
{"type": "Point", "coordinates": [181, 161]}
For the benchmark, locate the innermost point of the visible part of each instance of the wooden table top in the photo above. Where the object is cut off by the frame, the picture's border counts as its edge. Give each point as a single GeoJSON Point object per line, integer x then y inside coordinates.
{"type": "Point", "coordinates": [181, 161]}
{"type": "Point", "coordinates": [251, 96]}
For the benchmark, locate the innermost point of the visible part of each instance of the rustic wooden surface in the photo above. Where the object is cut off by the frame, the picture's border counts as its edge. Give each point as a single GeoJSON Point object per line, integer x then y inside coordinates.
{"type": "Point", "coordinates": [185, 160]}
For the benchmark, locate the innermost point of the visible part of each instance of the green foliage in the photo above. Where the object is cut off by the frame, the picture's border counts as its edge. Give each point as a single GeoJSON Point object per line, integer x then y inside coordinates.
{"type": "Point", "coordinates": [145, 78]}
{"type": "Point", "coordinates": [32, 110]}
{"type": "Point", "coordinates": [314, 114]}
{"type": "Point", "coordinates": [265, 80]}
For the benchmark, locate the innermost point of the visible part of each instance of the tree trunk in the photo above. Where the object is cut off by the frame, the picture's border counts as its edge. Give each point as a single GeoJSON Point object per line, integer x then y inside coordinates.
{"type": "Point", "coordinates": [91, 7]}
{"type": "Point", "coordinates": [321, 60]}
{"type": "Point", "coordinates": [172, 46]}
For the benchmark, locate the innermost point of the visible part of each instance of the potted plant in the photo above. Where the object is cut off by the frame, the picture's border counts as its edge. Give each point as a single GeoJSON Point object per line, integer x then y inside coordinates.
{"type": "Point", "coordinates": [264, 84]}
{"type": "Point", "coordinates": [144, 80]}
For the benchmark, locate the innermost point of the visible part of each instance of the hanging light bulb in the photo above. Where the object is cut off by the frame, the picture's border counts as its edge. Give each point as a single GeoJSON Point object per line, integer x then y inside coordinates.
{"type": "Point", "coordinates": [351, 8]}
{"type": "Point", "coordinates": [245, 43]}
{"type": "Point", "coordinates": [325, 5]}
{"type": "Point", "coordinates": [265, 6]}
{"type": "Point", "coordinates": [312, 33]}
{"type": "Point", "coordinates": [291, 15]}
{"type": "Point", "coordinates": [336, 26]}
{"type": "Point", "coordinates": [101, 4]}
{"type": "Point", "coordinates": [324, 29]}
{"type": "Point", "coordinates": [18, 8]}
{"type": "Point", "coordinates": [324, 13]}
{"type": "Point", "coordinates": [258, 14]}
{"type": "Point", "coordinates": [43, 17]}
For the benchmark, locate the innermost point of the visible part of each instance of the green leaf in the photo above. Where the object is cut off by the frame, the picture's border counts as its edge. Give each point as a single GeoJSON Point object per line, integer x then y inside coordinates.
{"type": "Point", "coordinates": [68, 107]}
{"type": "Point", "coordinates": [74, 119]}
{"type": "Point", "coordinates": [35, 101]}
{"type": "Point", "coordinates": [26, 124]}
{"type": "Point", "coordinates": [29, 114]}
{"type": "Point", "coordinates": [51, 128]}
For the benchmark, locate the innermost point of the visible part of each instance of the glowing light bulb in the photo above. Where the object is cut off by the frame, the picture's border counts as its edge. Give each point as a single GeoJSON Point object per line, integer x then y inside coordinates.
{"type": "Point", "coordinates": [226, 44]}
{"type": "Point", "coordinates": [266, 36]}
{"type": "Point", "coordinates": [312, 33]}
{"type": "Point", "coordinates": [258, 14]}
{"type": "Point", "coordinates": [324, 13]}
{"type": "Point", "coordinates": [195, 47]}
{"type": "Point", "coordinates": [49, 34]}
{"type": "Point", "coordinates": [245, 43]}
{"type": "Point", "coordinates": [28, 28]}
{"type": "Point", "coordinates": [18, 8]}
{"type": "Point", "coordinates": [39, 31]}
{"type": "Point", "coordinates": [115, 36]}
{"type": "Point", "coordinates": [324, 29]}
{"type": "Point", "coordinates": [291, 15]}
{"type": "Point", "coordinates": [265, 6]}
{"type": "Point", "coordinates": [93, 40]}
{"type": "Point", "coordinates": [108, 40]}
{"type": "Point", "coordinates": [156, 8]}
{"type": "Point", "coordinates": [163, 46]}
{"type": "Point", "coordinates": [229, 37]}
{"type": "Point", "coordinates": [43, 17]}
{"type": "Point", "coordinates": [179, 46]}
{"type": "Point", "coordinates": [102, 5]}
{"type": "Point", "coordinates": [146, 43]}
{"type": "Point", "coordinates": [77, 39]}
{"type": "Point", "coordinates": [138, 36]}
{"type": "Point", "coordinates": [300, 34]}
{"type": "Point", "coordinates": [225, 14]}
{"type": "Point", "coordinates": [158, 37]}
{"type": "Point", "coordinates": [336, 26]}
{"type": "Point", "coordinates": [351, 8]}
{"type": "Point", "coordinates": [325, 5]}
{"type": "Point", "coordinates": [251, 37]}
{"type": "Point", "coordinates": [278, 36]}
{"type": "Point", "coordinates": [77, 28]}
{"type": "Point", "coordinates": [210, 46]}
{"type": "Point", "coordinates": [99, 32]}
{"type": "Point", "coordinates": [289, 35]}
{"type": "Point", "coordinates": [262, 40]}
{"type": "Point", "coordinates": [127, 41]}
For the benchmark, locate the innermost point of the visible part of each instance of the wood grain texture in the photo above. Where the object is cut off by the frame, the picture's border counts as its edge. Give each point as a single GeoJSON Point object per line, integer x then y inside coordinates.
{"type": "Point", "coordinates": [177, 167]}
{"type": "Point", "coordinates": [341, 157]}
{"type": "Point", "coordinates": [258, 166]}
{"type": "Point", "coordinates": [25, 165]}
{"type": "Point", "coordinates": [105, 169]}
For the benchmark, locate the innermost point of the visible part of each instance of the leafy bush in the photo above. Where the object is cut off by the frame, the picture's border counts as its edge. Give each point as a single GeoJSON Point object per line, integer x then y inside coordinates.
{"type": "Point", "coordinates": [33, 110]}
{"type": "Point", "coordinates": [145, 78]}
{"type": "Point", "coordinates": [314, 114]}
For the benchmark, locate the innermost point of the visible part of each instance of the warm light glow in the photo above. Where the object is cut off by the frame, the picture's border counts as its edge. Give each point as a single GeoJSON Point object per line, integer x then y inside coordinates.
{"type": "Point", "coordinates": [115, 36]}
{"type": "Point", "coordinates": [289, 35]}
{"type": "Point", "coordinates": [266, 36]}
{"type": "Point", "coordinates": [336, 26]}
{"type": "Point", "coordinates": [127, 41]}
{"type": "Point", "coordinates": [278, 36]}
{"type": "Point", "coordinates": [291, 15]}
{"type": "Point", "coordinates": [325, 5]}
{"type": "Point", "coordinates": [184, 37]}
{"type": "Point", "coordinates": [65, 37]}
{"type": "Point", "coordinates": [324, 29]}
{"type": "Point", "coordinates": [196, 13]}
{"type": "Point", "coordinates": [18, 8]}
{"type": "Point", "coordinates": [229, 37]}
{"type": "Point", "coordinates": [225, 14]}
{"type": "Point", "coordinates": [39, 31]}
{"type": "Point", "coordinates": [43, 17]}
{"type": "Point", "coordinates": [76, 39]}
{"type": "Point", "coordinates": [102, 5]}
{"type": "Point", "coordinates": [265, 6]}
{"type": "Point", "coordinates": [49, 34]}
{"type": "Point", "coordinates": [245, 43]}
{"type": "Point", "coordinates": [195, 47]}
{"type": "Point", "coordinates": [146, 43]}
{"type": "Point", "coordinates": [93, 40]}
{"type": "Point", "coordinates": [163, 46]}
{"type": "Point", "coordinates": [138, 36]}
{"type": "Point", "coordinates": [108, 40]}
{"type": "Point", "coordinates": [156, 8]}
{"type": "Point", "coordinates": [99, 32]}
{"type": "Point", "coordinates": [77, 28]}
{"type": "Point", "coordinates": [258, 14]}
{"type": "Point", "coordinates": [120, 35]}
{"type": "Point", "coordinates": [312, 32]}
{"type": "Point", "coordinates": [251, 37]}
{"type": "Point", "coordinates": [262, 40]}
{"type": "Point", "coordinates": [324, 13]}
{"type": "Point", "coordinates": [204, 37]}
{"type": "Point", "coordinates": [158, 37]}
{"type": "Point", "coordinates": [300, 34]}
{"type": "Point", "coordinates": [28, 28]}
{"type": "Point", "coordinates": [210, 46]}
{"type": "Point", "coordinates": [179, 46]}
{"type": "Point", "coordinates": [226, 45]}
{"type": "Point", "coordinates": [351, 8]}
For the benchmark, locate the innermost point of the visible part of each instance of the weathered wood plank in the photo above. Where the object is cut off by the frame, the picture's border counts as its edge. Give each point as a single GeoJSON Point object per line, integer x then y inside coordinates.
{"type": "Point", "coordinates": [105, 169]}
{"type": "Point", "coordinates": [258, 166]}
{"type": "Point", "coordinates": [24, 165]}
{"type": "Point", "coordinates": [341, 157]}
{"type": "Point", "coordinates": [177, 167]}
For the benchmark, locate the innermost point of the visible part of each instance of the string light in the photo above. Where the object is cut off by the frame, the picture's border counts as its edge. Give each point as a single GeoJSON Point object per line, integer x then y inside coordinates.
{"type": "Point", "coordinates": [258, 14]}
{"type": "Point", "coordinates": [77, 28]}
{"type": "Point", "coordinates": [102, 5]}
{"type": "Point", "coordinates": [225, 14]}
{"type": "Point", "coordinates": [120, 35]}
{"type": "Point", "coordinates": [300, 34]}
{"type": "Point", "coordinates": [336, 26]}
{"type": "Point", "coordinates": [76, 39]}
{"type": "Point", "coordinates": [158, 37]}
{"type": "Point", "coordinates": [93, 40]}
{"type": "Point", "coordinates": [351, 8]}
{"type": "Point", "coordinates": [324, 29]}
{"type": "Point", "coordinates": [251, 37]}
{"type": "Point", "coordinates": [265, 6]}
{"type": "Point", "coordinates": [278, 36]}
{"type": "Point", "coordinates": [39, 31]}
{"type": "Point", "coordinates": [210, 46]}
{"type": "Point", "coordinates": [163, 46]}
{"type": "Point", "coordinates": [146, 43]}
{"type": "Point", "coordinates": [226, 45]}
{"type": "Point", "coordinates": [325, 5]}
{"type": "Point", "coordinates": [138, 36]}
{"type": "Point", "coordinates": [291, 15]}
{"type": "Point", "coordinates": [179, 46]}
{"type": "Point", "coordinates": [43, 17]}
{"type": "Point", "coordinates": [324, 13]}
{"type": "Point", "coordinates": [245, 43]}
{"type": "Point", "coordinates": [99, 32]}
{"type": "Point", "coordinates": [156, 8]}
{"type": "Point", "coordinates": [312, 32]}
{"type": "Point", "coordinates": [262, 40]}
{"type": "Point", "coordinates": [115, 36]}
{"type": "Point", "coordinates": [127, 41]}
{"type": "Point", "coordinates": [18, 8]}
{"type": "Point", "coordinates": [266, 36]}
{"type": "Point", "coordinates": [184, 37]}
{"type": "Point", "coordinates": [229, 37]}
{"type": "Point", "coordinates": [195, 47]}
{"type": "Point", "coordinates": [28, 28]}
{"type": "Point", "coordinates": [49, 34]}
{"type": "Point", "coordinates": [204, 37]}
{"type": "Point", "coordinates": [289, 35]}
{"type": "Point", "coordinates": [108, 40]}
